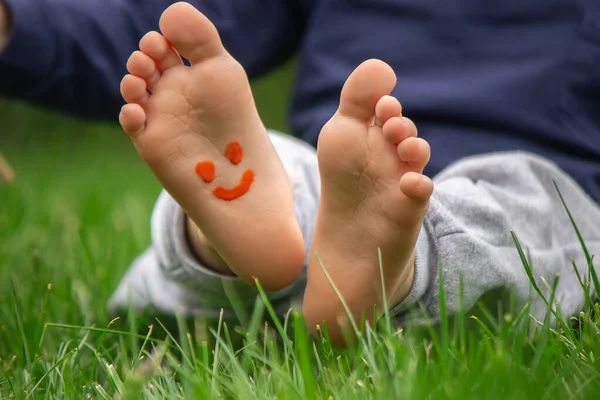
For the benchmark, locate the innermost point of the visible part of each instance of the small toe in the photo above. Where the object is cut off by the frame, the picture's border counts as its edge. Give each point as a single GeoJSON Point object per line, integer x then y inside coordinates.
{"type": "Point", "coordinates": [386, 108]}
{"type": "Point", "coordinates": [142, 65]}
{"type": "Point", "coordinates": [369, 82]}
{"type": "Point", "coordinates": [396, 129]}
{"type": "Point", "coordinates": [132, 119]}
{"type": "Point", "coordinates": [416, 186]}
{"type": "Point", "coordinates": [158, 48]}
{"type": "Point", "coordinates": [190, 32]}
{"type": "Point", "coordinates": [410, 127]}
{"type": "Point", "coordinates": [414, 151]}
{"type": "Point", "coordinates": [134, 90]}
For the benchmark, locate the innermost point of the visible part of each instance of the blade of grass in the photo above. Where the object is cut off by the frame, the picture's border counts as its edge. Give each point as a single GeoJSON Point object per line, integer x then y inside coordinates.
{"type": "Point", "coordinates": [386, 314]}
{"type": "Point", "coordinates": [302, 347]}
{"type": "Point", "coordinates": [542, 343]}
{"type": "Point", "coordinates": [280, 329]}
{"type": "Point", "coordinates": [50, 370]}
{"type": "Point", "coordinates": [175, 343]}
{"type": "Point", "coordinates": [103, 330]}
{"type": "Point", "coordinates": [588, 258]}
{"type": "Point", "coordinates": [444, 323]}
{"type": "Point", "coordinates": [216, 356]}
{"type": "Point", "coordinates": [342, 300]}
{"type": "Point", "coordinates": [527, 267]}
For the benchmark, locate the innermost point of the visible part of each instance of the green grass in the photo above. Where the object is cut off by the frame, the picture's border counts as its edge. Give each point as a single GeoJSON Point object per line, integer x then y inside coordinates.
{"type": "Point", "coordinates": [79, 213]}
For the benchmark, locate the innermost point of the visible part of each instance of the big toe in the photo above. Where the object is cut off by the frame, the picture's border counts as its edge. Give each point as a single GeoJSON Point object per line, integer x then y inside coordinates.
{"type": "Point", "coordinates": [369, 82]}
{"type": "Point", "coordinates": [190, 32]}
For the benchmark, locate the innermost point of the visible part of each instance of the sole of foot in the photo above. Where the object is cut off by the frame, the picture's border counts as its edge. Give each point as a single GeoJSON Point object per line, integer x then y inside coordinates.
{"type": "Point", "coordinates": [373, 198]}
{"type": "Point", "coordinates": [198, 130]}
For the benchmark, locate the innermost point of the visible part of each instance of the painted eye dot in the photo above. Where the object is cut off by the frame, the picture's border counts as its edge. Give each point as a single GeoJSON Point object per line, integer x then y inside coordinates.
{"type": "Point", "coordinates": [206, 171]}
{"type": "Point", "coordinates": [235, 154]}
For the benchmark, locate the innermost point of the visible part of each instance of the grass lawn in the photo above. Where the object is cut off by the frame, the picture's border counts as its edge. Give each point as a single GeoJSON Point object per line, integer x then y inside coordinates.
{"type": "Point", "coordinates": [78, 213]}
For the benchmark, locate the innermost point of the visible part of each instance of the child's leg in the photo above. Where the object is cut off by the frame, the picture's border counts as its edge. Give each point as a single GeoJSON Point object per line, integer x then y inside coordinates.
{"type": "Point", "coordinates": [171, 278]}
{"type": "Point", "coordinates": [198, 130]}
{"type": "Point", "coordinates": [204, 250]}
{"type": "Point", "coordinates": [373, 195]}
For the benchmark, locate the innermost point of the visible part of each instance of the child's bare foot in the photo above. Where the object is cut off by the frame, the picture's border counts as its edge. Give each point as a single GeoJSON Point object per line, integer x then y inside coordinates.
{"type": "Point", "coordinates": [198, 130]}
{"type": "Point", "coordinates": [373, 195]}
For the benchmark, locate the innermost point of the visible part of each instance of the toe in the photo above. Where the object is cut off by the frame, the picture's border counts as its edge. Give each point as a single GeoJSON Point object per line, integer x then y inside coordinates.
{"type": "Point", "coordinates": [410, 127]}
{"type": "Point", "coordinates": [386, 108]}
{"type": "Point", "coordinates": [158, 48]}
{"type": "Point", "coordinates": [396, 129]}
{"type": "Point", "coordinates": [140, 64]}
{"type": "Point", "coordinates": [190, 32]}
{"type": "Point", "coordinates": [132, 119]}
{"type": "Point", "coordinates": [369, 82]}
{"type": "Point", "coordinates": [134, 90]}
{"type": "Point", "coordinates": [416, 186]}
{"type": "Point", "coordinates": [415, 152]}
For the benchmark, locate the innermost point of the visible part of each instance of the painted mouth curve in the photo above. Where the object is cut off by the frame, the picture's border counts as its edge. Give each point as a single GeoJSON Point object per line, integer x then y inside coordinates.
{"type": "Point", "coordinates": [241, 189]}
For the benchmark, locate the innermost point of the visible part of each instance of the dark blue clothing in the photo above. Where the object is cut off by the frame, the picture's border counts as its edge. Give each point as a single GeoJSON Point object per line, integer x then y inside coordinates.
{"type": "Point", "coordinates": [475, 75]}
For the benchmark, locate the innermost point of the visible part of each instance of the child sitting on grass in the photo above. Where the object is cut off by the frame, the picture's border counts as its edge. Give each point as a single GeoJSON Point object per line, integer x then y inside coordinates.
{"type": "Point", "coordinates": [242, 203]}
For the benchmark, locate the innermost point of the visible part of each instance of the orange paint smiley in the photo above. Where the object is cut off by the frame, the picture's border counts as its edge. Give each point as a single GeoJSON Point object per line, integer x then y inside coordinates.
{"type": "Point", "coordinates": [206, 170]}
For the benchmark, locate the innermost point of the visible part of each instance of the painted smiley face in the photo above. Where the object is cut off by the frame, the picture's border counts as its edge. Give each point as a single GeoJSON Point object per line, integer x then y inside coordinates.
{"type": "Point", "coordinates": [206, 170]}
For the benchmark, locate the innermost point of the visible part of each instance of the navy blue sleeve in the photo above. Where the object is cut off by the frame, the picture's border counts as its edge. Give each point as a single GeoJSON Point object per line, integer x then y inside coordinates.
{"type": "Point", "coordinates": [70, 55]}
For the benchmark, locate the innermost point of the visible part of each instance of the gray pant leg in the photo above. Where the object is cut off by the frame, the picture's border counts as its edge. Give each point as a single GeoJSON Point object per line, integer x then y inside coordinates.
{"type": "Point", "coordinates": [168, 277]}
{"type": "Point", "coordinates": [475, 205]}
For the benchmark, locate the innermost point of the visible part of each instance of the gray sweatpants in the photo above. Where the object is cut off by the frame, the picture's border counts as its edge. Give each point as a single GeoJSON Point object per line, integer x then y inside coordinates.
{"type": "Point", "coordinates": [476, 203]}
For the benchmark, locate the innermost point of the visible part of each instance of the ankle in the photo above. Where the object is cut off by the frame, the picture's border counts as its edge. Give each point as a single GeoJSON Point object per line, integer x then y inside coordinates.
{"type": "Point", "coordinates": [405, 283]}
{"type": "Point", "coordinates": [335, 315]}
{"type": "Point", "coordinates": [204, 251]}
